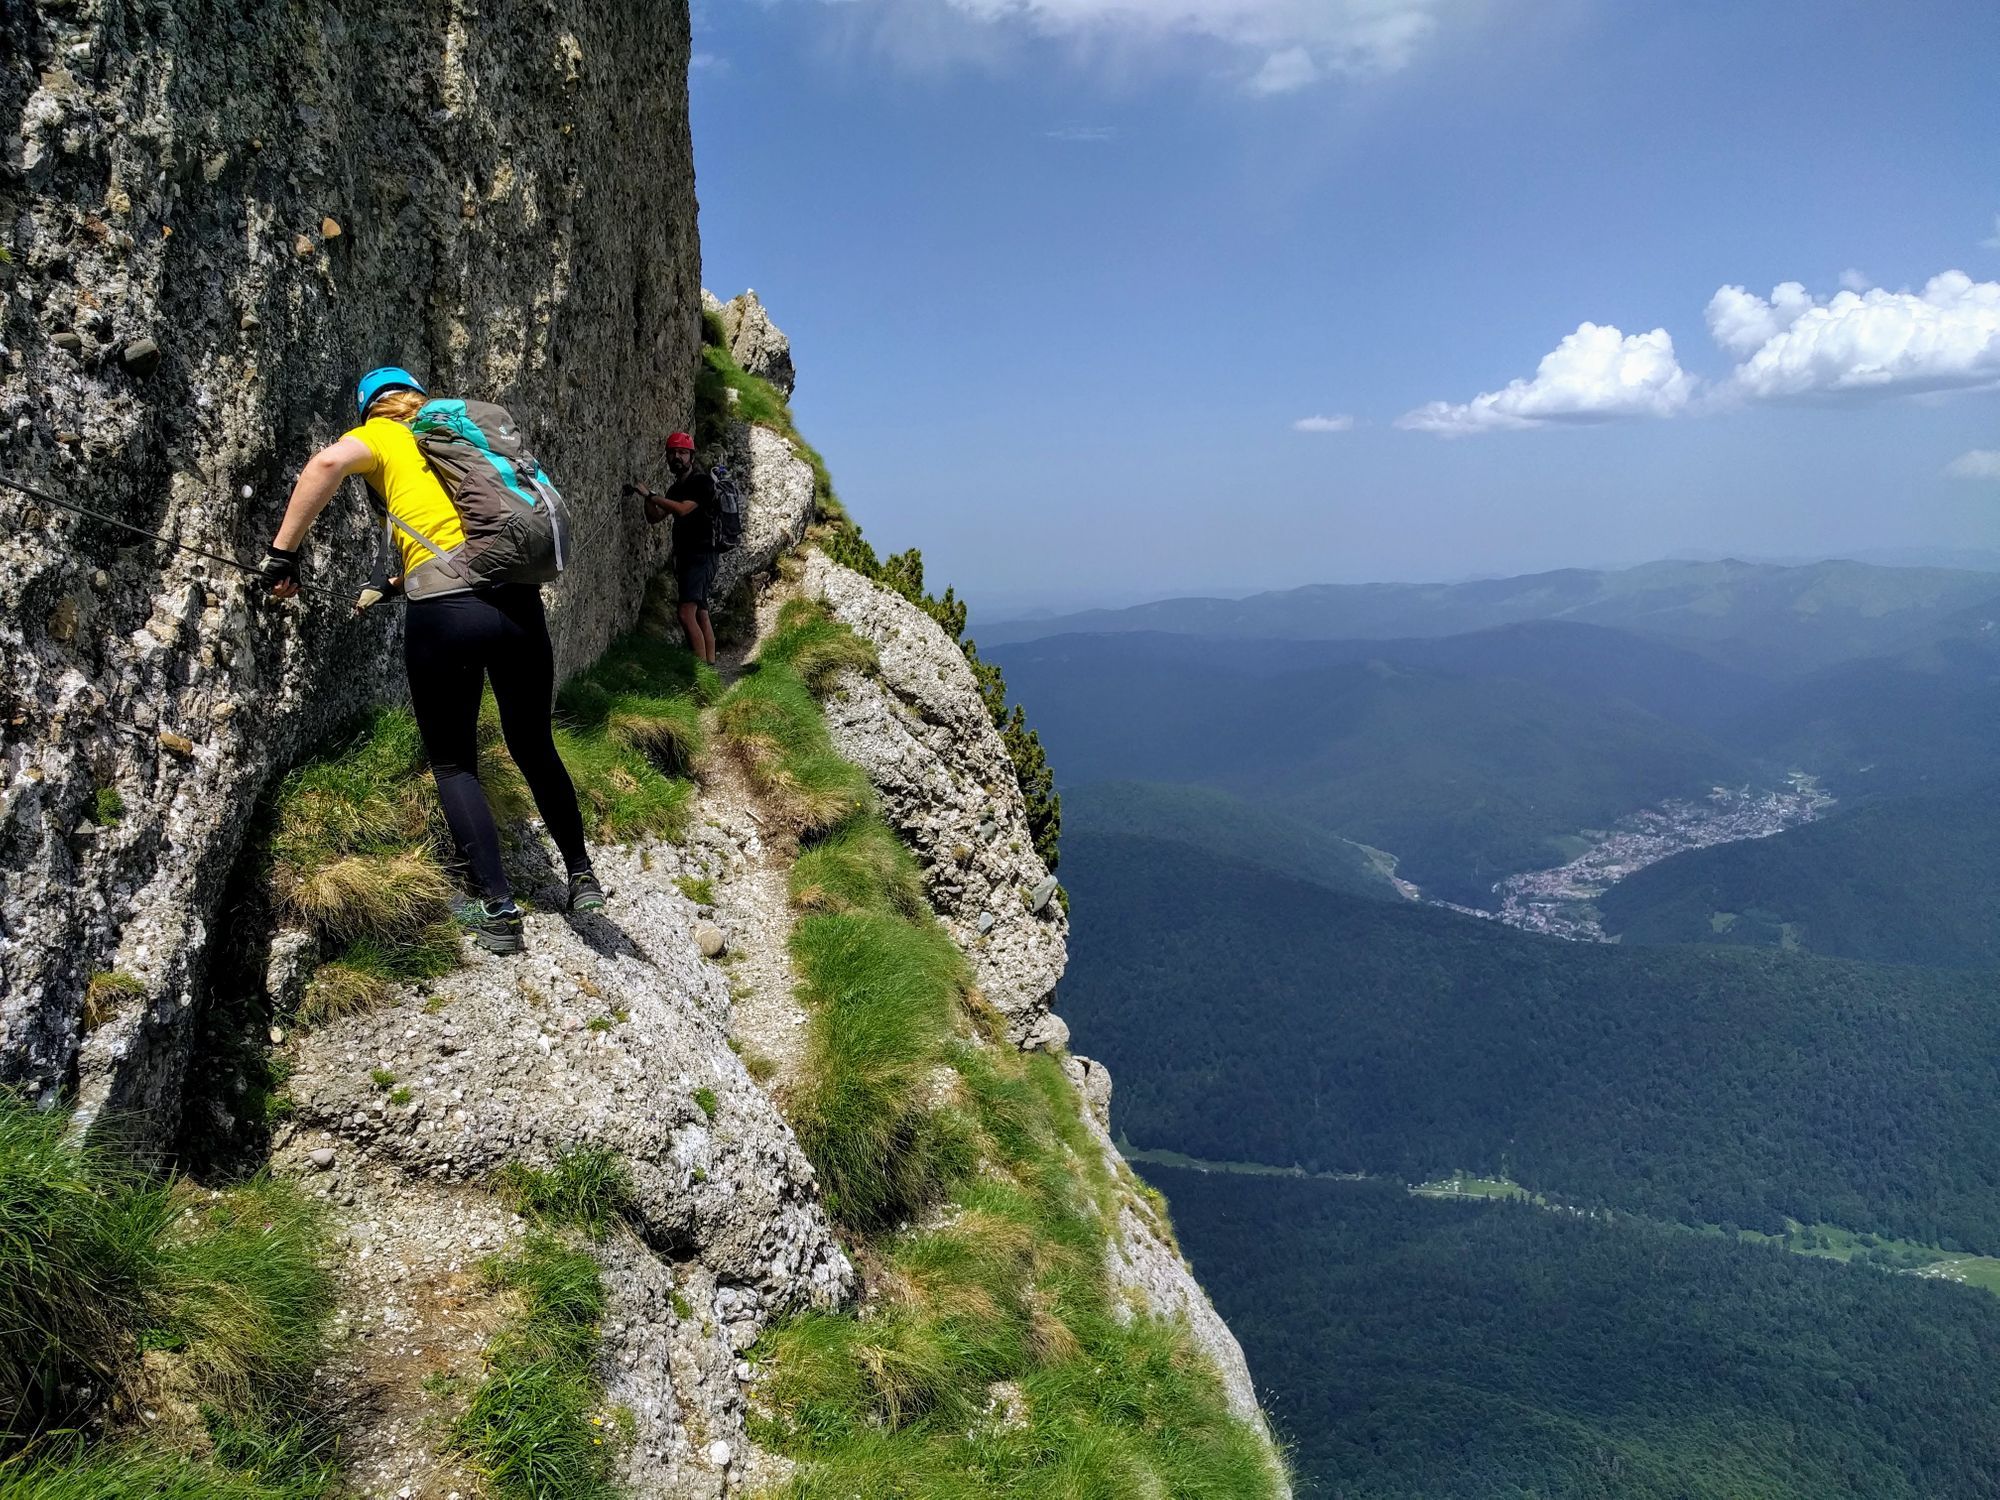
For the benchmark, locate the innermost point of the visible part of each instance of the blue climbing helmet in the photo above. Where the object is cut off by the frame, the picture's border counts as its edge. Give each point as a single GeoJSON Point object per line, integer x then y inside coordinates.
{"type": "Point", "coordinates": [387, 378]}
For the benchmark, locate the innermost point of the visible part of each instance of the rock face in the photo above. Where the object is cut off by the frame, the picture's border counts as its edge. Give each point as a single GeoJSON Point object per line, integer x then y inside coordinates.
{"type": "Point", "coordinates": [922, 733]}
{"type": "Point", "coordinates": [755, 342]}
{"type": "Point", "coordinates": [1143, 1262]}
{"type": "Point", "coordinates": [215, 221]}
{"type": "Point", "coordinates": [612, 1031]}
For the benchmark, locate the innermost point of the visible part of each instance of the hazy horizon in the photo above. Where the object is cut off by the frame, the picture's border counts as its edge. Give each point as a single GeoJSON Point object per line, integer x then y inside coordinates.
{"type": "Point", "coordinates": [1005, 605]}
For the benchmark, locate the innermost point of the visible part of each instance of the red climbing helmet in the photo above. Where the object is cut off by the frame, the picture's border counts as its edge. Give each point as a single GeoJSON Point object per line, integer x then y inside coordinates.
{"type": "Point", "coordinates": [681, 441]}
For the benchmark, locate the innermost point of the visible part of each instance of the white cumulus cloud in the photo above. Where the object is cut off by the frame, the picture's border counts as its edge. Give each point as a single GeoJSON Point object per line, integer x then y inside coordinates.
{"type": "Point", "coordinates": [1877, 342]}
{"type": "Point", "coordinates": [1284, 44]}
{"type": "Point", "coordinates": [1980, 463]}
{"type": "Point", "coordinates": [1340, 423]}
{"type": "Point", "coordinates": [1595, 374]}
{"type": "Point", "coordinates": [1285, 72]}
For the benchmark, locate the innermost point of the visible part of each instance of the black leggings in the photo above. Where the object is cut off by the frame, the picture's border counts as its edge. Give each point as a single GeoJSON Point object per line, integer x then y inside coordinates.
{"type": "Point", "coordinates": [451, 646]}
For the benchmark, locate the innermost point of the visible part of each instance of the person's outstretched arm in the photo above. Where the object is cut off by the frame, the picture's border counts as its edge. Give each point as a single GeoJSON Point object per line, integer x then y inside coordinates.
{"type": "Point", "coordinates": [317, 483]}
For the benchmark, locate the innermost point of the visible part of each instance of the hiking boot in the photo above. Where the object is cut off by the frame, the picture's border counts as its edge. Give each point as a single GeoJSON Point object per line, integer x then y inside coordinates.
{"type": "Point", "coordinates": [585, 894]}
{"type": "Point", "coordinates": [494, 925]}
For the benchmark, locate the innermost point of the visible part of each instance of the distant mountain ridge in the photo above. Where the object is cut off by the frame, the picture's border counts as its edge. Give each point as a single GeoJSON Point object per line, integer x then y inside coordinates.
{"type": "Point", "coordinates": [1759, 616]}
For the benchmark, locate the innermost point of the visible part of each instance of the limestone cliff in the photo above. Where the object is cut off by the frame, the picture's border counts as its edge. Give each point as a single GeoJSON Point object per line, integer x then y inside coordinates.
{"type": "Point", "coordinates": [215, 216]}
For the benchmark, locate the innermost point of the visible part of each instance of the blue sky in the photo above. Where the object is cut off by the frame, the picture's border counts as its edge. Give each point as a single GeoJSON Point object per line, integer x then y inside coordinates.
{"type": "Point", "coordinates": [1062, 276]}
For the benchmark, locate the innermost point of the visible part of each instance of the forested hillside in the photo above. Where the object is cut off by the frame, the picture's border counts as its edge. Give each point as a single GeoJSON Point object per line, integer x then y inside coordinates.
{"type": "Point", "coordinates": [1914, 881]}
{"type": "Point", "coordinates": [1465, 778]}
{"type": "Point", "coordinates": [1199, 821]}
{"type": "Point", "coordinates": [1413, 1349]}
{"type": "Point", "coordinates": [1251, 1017]}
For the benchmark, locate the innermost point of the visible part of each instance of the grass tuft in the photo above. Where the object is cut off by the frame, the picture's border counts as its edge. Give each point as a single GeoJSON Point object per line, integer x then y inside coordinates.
{"type": "Point", "coordinates": [534, 1429]}
{"type": "Point", "coordinates": [363, 976]}
{"type": "Point", "coordinates": [648, 695]}
{"type": "Point", "coordinates": [586, 1188]}
{"type": "Point", "coordinates": [105, 1263]}
{"type": "Point", "coordinates": [815, 646]}
{"type": "Point", "coordinates": [697, 888]}
{"type": "Point", "coordinates": [772, 723]}
{"type": "Point", "coordinates": [102, 995]}
{"type": "Point", "coordinates": [861, 867]}
{"type": "Point", "coordinates": [384, 897]}
{"type": "Point", "coordinates": [624, 796]}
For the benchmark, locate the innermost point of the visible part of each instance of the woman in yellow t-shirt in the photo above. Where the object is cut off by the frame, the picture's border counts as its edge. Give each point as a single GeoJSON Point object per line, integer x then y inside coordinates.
{"type": "Point", "coordinates": [455, 639]}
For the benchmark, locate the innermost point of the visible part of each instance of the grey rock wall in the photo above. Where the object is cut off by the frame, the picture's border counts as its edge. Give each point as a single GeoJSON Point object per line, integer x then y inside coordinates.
{"type": "Point", "coordinates": [921, 731]}
{"type": "Point", "coordinates": [755, 342]}
{"type": "Point", "coordinates": [276, 196]}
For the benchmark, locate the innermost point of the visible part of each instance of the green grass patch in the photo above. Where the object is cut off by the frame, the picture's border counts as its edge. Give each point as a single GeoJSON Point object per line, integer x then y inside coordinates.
{"type": "Point", "coordinates": [910, 1121]}
{"type": "Point", "coordinates": [536, 1429]}
{"type": "Point", "coordinates": [705, 1101]}
{"type": "Point", "coordinates": [624, 795]}
{"type": "Point", "coordinates": [630, 732]}
{"type": "Point", "coordinates": [585, 1187]}
{"type": "Point", "coordinates": [885, 995]}
{"type": "Point", "coordinates": [772, 722]}
{"type": "Point", "coordinates": [135, 1472]}
{"type": "Point", "coordinates": [104, 1263]}
{"type": "Point", "coordinates": [365, 973]}
{"type": "Point", "coordinates": [697, 888]}
{"type": "Point", "coordinates": [356, 858]}
{"type": "Point", "coordinates": [1010, 1289]}
{"type": "Point", "coordinates": [861, 867]}
{"type": "Point", "coordinates": [815, 646]}
{"type": "Point", "coordinates": [107, 807]}
{"type": "Point", "coordinates": [647, 696]}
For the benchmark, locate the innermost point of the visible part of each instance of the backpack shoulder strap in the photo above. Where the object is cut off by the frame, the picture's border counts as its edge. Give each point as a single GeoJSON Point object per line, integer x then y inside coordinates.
{"type": "Point", "coordinates": [393, 523]}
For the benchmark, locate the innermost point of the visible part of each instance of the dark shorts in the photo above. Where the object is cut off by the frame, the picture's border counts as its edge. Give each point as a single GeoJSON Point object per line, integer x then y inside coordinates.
{"type": "Point", "coordinates": [694, 577]}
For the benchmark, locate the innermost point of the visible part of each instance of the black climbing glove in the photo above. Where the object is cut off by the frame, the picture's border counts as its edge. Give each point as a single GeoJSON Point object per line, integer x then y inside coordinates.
{"type": "Point", "coordinates": [280, 565]}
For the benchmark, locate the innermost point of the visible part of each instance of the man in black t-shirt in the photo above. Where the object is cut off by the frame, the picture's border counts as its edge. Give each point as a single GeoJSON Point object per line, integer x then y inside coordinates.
{"type": "Point", "coordinates": [690, 500]}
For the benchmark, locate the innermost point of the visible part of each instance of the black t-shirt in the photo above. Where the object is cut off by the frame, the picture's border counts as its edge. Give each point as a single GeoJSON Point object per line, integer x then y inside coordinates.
{"type": "Point", "coordinates": [694, 533]}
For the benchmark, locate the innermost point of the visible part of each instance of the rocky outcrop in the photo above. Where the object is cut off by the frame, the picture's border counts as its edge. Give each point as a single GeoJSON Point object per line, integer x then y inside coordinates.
{"type": "Point", "coordinates": [215, 219]}
{"type": "Point", "coordinates": [755, 342]}
{"type": "Point", "coordinates": [611, 1032]}
{"type": "Point", "coordinates": [780, 484]}
{"type": "Point", "coordinates": [922, 733]}
{"type": "Point", "coordinates": [1144, 1264]}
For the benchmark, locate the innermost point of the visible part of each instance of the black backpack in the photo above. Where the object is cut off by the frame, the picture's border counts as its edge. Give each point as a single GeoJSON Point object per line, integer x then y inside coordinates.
{"type": "Point", "coordinates": [726, 525]}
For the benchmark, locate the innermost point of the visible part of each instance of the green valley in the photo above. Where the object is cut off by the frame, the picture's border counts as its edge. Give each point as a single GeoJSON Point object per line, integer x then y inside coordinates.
{"type": "Point", "coordinates": [1251, 1017]}
{"type": "Point", "coordinates": [1426, 1349]}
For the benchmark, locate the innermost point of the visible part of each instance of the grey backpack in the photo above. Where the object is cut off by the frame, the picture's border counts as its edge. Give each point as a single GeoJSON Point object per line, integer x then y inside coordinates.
{"type": "Point", "coordinates": [516, 528]}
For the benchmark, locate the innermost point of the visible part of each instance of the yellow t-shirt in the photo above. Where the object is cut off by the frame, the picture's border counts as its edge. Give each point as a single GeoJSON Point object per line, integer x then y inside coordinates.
{"type": "Point", "coordinates": [404, 483]}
